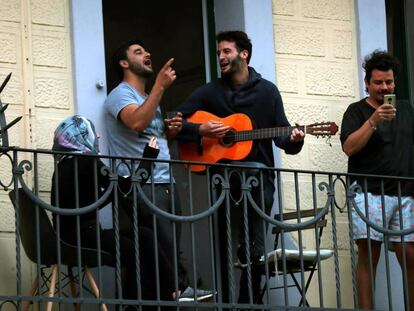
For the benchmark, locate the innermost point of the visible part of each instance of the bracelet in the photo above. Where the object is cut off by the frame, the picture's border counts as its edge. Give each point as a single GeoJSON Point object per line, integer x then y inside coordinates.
{"type": "Point", "coordinates": [372, 125]}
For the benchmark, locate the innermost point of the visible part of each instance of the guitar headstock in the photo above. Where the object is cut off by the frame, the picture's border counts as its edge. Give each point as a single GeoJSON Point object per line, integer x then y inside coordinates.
{"type": "Point", "coordinates": [322, 129]}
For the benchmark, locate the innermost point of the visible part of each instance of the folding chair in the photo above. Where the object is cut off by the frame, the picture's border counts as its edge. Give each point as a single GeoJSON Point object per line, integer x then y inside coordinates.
{"type": "Point", "coordinates": [295, 259]}
{"type": "Point", "coordinates": [29, 230]}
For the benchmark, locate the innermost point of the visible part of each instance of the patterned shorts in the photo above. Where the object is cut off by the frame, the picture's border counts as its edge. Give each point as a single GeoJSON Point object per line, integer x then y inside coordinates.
{"type": "Point", "coordinates": [375, 215]}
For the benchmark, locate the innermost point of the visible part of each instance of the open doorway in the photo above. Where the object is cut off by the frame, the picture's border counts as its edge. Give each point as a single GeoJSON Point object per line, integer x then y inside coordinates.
{"type": "Point", "coordinates": [168, 29]}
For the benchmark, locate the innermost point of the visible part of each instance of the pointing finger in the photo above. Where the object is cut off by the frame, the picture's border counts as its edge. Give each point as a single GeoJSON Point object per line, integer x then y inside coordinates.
{"type": "Point", "coordinates": [168, 63]}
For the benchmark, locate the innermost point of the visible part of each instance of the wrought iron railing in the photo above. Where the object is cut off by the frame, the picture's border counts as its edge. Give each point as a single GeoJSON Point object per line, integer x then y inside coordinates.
{"type": "Point", "coordinates": [204, 237]}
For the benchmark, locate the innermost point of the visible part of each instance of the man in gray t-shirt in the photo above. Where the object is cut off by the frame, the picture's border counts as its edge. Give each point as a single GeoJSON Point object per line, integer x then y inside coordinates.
{"type": "Point", "coordinates": [132, 117]}
{"type": "Point", "coordinates": [127, 142]}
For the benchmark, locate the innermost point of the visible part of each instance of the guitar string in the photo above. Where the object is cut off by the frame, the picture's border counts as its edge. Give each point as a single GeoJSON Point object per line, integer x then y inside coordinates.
{"type": "Point", "coordinates": [270, 133]}
{"type": "Point", "coordinates": [262, 133]}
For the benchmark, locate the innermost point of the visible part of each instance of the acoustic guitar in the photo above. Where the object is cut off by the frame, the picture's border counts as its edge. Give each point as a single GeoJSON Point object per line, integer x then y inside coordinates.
{"type": "Point", "coordinates": [238, 142]}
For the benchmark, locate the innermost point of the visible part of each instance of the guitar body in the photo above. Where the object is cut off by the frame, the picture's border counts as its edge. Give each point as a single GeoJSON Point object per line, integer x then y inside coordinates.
{"type": "Point", "coordinates": [238, 142]}
{"type": "Point", "coordinates": [213, 149]}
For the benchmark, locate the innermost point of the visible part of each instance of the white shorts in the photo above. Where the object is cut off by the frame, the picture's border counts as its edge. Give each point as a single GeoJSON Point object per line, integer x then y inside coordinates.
{"type": "Point", "coordinates": [375, 215]}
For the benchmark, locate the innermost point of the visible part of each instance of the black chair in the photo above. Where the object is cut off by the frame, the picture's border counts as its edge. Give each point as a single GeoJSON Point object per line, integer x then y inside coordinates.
{"type": "Point", "coordinates": [297, 260]}
{"type": "Point", "coordinates": [47, 256]}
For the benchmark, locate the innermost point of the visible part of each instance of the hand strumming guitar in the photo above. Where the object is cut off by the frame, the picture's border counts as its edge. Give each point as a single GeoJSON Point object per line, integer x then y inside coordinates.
{"type": "Point", "coordinates": [213, 129]}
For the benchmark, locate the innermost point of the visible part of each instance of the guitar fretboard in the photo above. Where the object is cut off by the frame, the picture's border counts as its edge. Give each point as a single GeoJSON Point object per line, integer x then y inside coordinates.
{"type": "Point", "coordinates": [264, 133]}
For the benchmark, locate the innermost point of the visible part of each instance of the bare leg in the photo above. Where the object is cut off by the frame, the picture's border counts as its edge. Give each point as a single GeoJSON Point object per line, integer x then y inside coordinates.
{"type": "Point", "coordinates": [409, 259]}
{"type": "Point", "coordinates": [33, 290]}
{"type": "Point", "coordinates": [94, 287]}
{"type": "Point", "coordinates": [364, 285]}
{"type": "Point", "coordinates": [52, 287]}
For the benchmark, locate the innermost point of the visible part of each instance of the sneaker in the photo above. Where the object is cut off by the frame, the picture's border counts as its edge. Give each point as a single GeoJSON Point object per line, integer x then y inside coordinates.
{"type": "Point", "coordinates": [195, 295]}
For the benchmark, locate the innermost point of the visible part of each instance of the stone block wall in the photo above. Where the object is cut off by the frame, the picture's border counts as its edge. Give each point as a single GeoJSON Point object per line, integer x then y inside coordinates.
{"type": "Point", "coordinates": [317, 74]}
{"type": "Point", "coordinates": [316, 71]}
{"type": "Point", "coordinates": [35, 42]}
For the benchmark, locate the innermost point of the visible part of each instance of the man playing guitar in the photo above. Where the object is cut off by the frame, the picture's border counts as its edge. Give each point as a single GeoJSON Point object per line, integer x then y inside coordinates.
{"type": "Point", "coordinates": [242, 90]}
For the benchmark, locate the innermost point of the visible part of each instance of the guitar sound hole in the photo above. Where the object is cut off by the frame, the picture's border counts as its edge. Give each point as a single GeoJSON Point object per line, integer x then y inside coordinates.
{"type": "Point", "coordinates": [228, 139]}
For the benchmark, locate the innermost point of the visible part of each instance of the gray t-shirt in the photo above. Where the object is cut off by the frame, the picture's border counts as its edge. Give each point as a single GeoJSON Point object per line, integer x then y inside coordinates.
{"type": "Point", "coordinates": [124, 142]}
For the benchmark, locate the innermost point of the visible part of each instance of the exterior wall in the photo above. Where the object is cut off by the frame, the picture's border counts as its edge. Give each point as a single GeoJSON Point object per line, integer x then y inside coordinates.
{"type": "Point", "coordinates": [36, 48]}
{"type": "Point", "coordinates": [316, 71]}
{"type": "Point", "coordinates": [317, 74]}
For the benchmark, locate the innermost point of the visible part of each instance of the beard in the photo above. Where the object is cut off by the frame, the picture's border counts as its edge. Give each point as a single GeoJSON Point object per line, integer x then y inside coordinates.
{"type": "Point", "coordinates": [140, 70]}
{"type": "Point", "coordinates": [235, 66]}
{"type": "Point", "coordinates": [379, 97]}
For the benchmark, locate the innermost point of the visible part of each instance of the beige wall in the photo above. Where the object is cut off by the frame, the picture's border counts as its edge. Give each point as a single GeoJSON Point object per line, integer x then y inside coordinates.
{"type": "Point", "coordinates": [36, 48]}
{"type": "Point", "coordinates": [316, 71]}
{"type": "Point", "coordinates": [317, 74]}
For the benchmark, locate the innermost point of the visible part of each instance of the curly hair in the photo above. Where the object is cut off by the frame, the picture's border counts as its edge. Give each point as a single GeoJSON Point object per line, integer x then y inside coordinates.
{"type": "Point", "coordinates": [380, 60]}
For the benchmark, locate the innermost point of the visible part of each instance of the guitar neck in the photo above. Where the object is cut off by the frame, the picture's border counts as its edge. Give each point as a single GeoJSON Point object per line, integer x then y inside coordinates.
{"type": "Point", "coordinates": [266, 133]}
